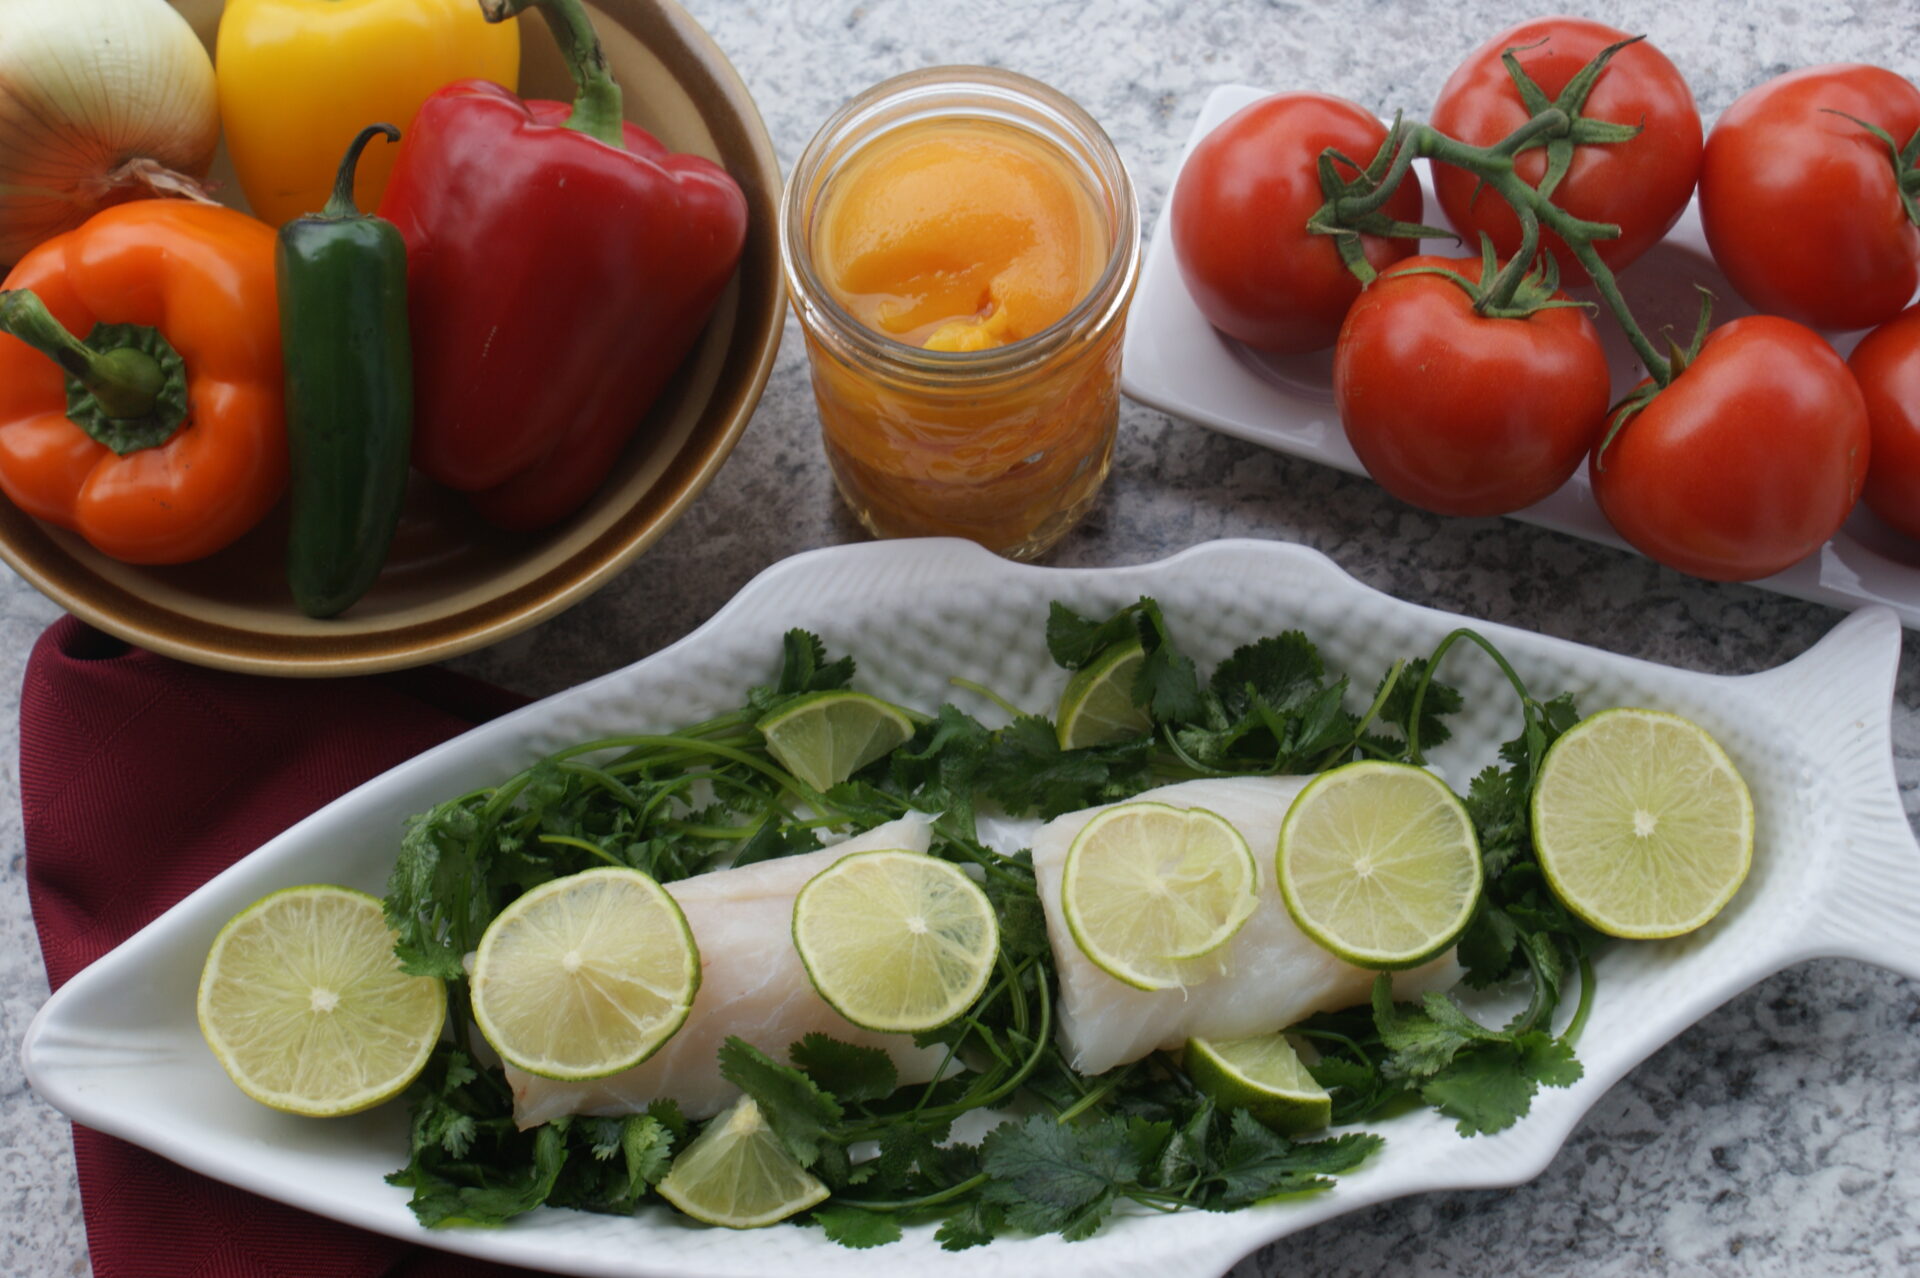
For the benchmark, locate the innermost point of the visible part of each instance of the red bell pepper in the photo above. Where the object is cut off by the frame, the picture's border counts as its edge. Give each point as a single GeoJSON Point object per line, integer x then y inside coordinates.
{"type": "Point", "coordinates": [561, 264]}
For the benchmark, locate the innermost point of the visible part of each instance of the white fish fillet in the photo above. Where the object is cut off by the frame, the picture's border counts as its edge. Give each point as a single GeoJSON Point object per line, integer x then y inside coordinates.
{"type": "Point", "coordinates": [1274, 974]}
{"type": "Point", "coordinates": [752, 985]}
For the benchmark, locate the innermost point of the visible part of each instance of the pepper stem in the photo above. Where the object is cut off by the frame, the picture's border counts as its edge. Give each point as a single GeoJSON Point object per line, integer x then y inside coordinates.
{"type": "Point", "coordinates": [596, 102]}
{"type": "Point", "coordinates": [126, 385]}
{"type": "Point", "coordinates": [125, 381]}
{"type": "Point", "coordinates": [341, 205]}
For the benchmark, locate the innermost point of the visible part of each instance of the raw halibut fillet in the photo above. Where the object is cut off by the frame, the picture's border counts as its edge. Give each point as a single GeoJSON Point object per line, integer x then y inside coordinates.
{"type": "Point", "coordinates": [1274, 974]}
{"type": "Point", "coordinates": [752, 984]}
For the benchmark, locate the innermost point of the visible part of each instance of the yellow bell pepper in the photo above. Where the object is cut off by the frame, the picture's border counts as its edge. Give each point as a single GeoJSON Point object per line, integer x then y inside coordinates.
{"type": "Point", "coordinates": [300, 78]}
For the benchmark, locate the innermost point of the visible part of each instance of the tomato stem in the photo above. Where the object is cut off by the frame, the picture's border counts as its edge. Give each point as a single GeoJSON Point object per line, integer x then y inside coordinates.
{"type": "Point", "coordinates": [1493, 165]}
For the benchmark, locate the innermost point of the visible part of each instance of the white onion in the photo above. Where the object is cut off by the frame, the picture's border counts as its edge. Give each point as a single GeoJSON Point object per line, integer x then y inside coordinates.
{"type": "Point", "coordinates": [100, 101]}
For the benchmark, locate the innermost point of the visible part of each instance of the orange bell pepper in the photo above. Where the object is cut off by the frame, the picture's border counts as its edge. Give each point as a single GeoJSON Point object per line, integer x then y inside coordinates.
{"type": "Point", "coordinates": [159, 438]}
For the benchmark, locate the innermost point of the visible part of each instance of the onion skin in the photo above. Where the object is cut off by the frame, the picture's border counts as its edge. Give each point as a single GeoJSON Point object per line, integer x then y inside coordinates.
{"type": "Point", "coordinates": [101, 101]}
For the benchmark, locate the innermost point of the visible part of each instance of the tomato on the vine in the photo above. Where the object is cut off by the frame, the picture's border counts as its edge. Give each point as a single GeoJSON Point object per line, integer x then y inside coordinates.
{"type": "Point", "coordinates": [1459, 413]}
{"type": "Point", "coordinates": [1240, 210]}
{"type": "Point", "coordinates": [1802, 205]}
{"type": "Point", "coordinates": [1747, 462]}
{"type": "Point", "coordinates": [1641, 185]}
{"type": "Point", "coordinates": [1887, 366]}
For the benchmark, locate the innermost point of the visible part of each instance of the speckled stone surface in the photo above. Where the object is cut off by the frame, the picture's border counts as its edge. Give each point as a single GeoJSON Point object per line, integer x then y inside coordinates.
{"type": "Point", "coordinates": [1775, 1137]}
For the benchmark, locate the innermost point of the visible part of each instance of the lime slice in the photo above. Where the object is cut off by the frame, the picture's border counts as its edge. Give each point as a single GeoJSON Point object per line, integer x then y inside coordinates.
{"type": "Point", "coordinates": [306, 1008]}
{"type": "Point", "coordinates": [827, 737]}
{"type": "Point", "coordinates": [738, 1174]}
{"type": "Point", "coordinates": [586, 975]}
{"type": "Point", "coordinates": [1379, 864]}
{"type": "Point", "coordinates": [1642, 824]}
{"type": "Point", "coordinates": [896, 941]}
{"type": "Point", "coordinates": [1147, 888]}
{"type": "Point", "coordinates": [1262, 1075]}
{"type": "Point", "coordinates": [1097, 706]}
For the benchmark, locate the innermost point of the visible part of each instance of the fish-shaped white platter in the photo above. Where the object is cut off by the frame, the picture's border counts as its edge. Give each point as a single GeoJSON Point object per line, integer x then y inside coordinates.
{"type": "Point", "coordinates": [1836, 872]}
{"type": "Point", "coordinates": [1176, 362]}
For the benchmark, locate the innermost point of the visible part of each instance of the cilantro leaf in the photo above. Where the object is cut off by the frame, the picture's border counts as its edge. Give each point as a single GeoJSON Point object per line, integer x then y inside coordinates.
{"type": "Point", "coordinates": [1027, 771]}
{"type": "Point", "coordinates": [793, 1105]}
{"type": "Point", "coordinates": [1258, 1163]}
{"type": "Point", "coordinates": [1492, 1087]}
{"type": "Point", "coordinates": [851, 1074]}
{"type": "Point", "coordinates": [804, 668]}
{"type": "Point", "coordinates": [1055, 1177]}
{"type": "Point", "coordinates": [976, 1224]}
{"type": "Point", "coordinates": [1074, 641]}
{"type": "Point", "coordinates": [856, 1227]}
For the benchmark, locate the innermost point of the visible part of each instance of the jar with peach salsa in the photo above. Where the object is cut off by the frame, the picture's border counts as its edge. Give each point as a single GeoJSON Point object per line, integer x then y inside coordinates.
{"type": "Point", "coordinates": [962, 244]}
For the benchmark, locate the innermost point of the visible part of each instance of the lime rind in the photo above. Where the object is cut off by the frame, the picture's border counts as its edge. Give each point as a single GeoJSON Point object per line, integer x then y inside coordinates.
{"type": "Point", "coordinates": [1096, 707]}
{"type": "Point", "coordinates": [1379, 864]}
{"type": "Point", "coordinates": [1262, 1074]}
{"type": "Point", "coordinates": [305, 1006]}
{"type": "Point", "coordinates": [586, 975]}
{"type": "Point", "coordinates": [825, 737]}
{"type": "Point", "coordinates": [1642, 823]}
{"type": "Point", "coordinates": [896, 941]}
{"type": "Point", "coordinates": [737, 1174]}
{"type": "Point", "coordinates": [1151, 893]}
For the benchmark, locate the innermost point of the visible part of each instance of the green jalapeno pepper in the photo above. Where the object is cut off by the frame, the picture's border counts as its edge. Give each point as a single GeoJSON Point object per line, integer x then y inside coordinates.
{"type": "Point", "coordinates": [349, 367]}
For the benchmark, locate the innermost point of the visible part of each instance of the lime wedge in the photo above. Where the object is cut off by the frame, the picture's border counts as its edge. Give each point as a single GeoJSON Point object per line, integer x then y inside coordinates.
{"type": "Point", "coordinates": [1379, 864]}
{"type": "Point", "coordinates": [1262, 1075]}
{"type": "Point", "coordinates": [586, 975]}
{"type": "Point", "coordinates": [738, 1174]}
{"type": "Point", "coordinates": [827, 737]}
{"type": "Point", "coordinates": [1642, 824]}
{"type": "Point", "coordinates": [306, 1008]}
{"type": "Point", "coordinates": [896, 941]}
{"type": "Point", "coordinates": [1097, 706]}
{"type": "Point", "coordinates": [1147, 888]}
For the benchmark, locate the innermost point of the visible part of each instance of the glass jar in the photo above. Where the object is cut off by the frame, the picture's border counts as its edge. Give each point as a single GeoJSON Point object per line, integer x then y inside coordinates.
{"type": "Point", "coordinates": [1007, 446]}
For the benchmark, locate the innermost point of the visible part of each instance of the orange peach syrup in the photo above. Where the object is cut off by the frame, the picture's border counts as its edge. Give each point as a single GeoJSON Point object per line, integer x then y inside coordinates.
{"type": "Point", "coordinates": [959, 235]}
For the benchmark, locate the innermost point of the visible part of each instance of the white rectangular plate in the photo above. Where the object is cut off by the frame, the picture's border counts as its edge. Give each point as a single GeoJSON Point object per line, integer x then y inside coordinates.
{"type": "Point", "coordinates": [1836, 872]}
{"type": "Point", "coordinates": [1173, 360]}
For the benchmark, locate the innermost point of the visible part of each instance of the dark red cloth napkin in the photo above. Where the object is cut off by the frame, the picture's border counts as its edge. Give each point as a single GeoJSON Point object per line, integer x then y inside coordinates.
{"type": "Point", "coordinates": [141, 778]}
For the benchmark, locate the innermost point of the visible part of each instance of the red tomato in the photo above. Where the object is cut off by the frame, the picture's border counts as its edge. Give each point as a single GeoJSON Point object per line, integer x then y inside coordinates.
{"type": "Point", "coordinates": [1801, 207]}
{"type": "Point", "coordinates": [1887, 366]}
{"type": "Point", "coordinates": [1747, 462]}
{"type": "Point", "coordinates": [1641, 186]}
{"type": "Point", "coordinates": [1240, 210]}
{"type": "Point", "coordinates": [1460, 414]}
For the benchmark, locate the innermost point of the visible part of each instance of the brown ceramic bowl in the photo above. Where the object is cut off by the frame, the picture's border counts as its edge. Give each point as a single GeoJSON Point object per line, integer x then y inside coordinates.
{"type": "Point", "coordinates": [452, 583]}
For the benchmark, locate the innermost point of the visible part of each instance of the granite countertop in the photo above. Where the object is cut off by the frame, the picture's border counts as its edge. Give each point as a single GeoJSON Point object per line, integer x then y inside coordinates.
{"type": "Point", "coordinates": [1776, 1136]}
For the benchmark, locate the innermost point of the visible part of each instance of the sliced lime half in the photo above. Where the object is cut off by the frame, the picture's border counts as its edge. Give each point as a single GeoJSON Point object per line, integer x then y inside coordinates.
{"type": "Point", "coordinates": [1379, 863]}
{"type": "Point", "coordinates": [896, 941]}
{"type": "Point", "coordinates": [1263, 1075]}
{"type": "Point", "coordinates": [826, 737]}
{"type": "Point", "coordinates": [586, 975]}
{"type": "Point", "coordinates": [1148, 888]}
{"type": "Point", "coordinates": [1642, 824]}
{"type": "Point", "coordinates": [305, 1006]}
